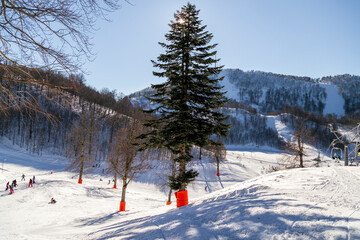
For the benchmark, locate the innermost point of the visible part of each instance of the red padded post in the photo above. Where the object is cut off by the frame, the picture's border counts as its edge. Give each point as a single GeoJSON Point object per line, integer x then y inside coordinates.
{"type": "Point", "coordinates": [181, 198]}
{"type": "Point", "coordinates": [122, 206]}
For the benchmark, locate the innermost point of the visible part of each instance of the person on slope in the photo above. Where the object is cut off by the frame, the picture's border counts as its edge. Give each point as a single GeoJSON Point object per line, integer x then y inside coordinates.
{"type": "Point", "coordinates": [30, 183]}
{"type": "Point", "coordinates": [23, 177]}
{"type": "Point", "coordinates": [33, 179]}
{"type": "Point", "coordinates": [52, 201]}
{"type": "Point", "coordinates": [7, 186]}
{"type": "Point", "coordinates": [14, 183]}
{"type": "Point", "coordinates": [11, 189]}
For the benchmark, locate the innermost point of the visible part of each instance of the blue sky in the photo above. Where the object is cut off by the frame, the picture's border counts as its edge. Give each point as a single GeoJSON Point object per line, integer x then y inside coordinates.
{"type": "Point", "coordinates": [305, 38]}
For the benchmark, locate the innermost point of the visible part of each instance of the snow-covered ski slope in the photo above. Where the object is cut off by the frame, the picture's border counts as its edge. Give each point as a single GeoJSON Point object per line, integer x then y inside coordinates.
{"type": "Point", "coordinates": [245, 202]}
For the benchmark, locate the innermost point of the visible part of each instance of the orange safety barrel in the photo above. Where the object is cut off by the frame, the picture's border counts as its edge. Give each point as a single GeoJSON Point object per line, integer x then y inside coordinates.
{"type": "Point", "coordinates": [181, 198]}
{"type": "Point", "coordinates": [80, 181]}
{"type": "Point", "coordinates": [122, 206]}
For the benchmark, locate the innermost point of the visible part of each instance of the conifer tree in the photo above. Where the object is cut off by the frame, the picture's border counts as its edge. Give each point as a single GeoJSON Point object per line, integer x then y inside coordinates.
{"type": "Point", "coordinates": [188, 102]}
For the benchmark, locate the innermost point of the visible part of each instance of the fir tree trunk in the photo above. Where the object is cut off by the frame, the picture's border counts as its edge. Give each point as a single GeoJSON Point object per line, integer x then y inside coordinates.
{"type": "Point", "coordinates": [182, 169]}
{"type": "Point", "coordinates": [217, 165]}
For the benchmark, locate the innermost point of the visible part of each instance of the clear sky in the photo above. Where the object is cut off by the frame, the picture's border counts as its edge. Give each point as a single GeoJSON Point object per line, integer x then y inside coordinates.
{"type": "Point", "coordinates": [312, 38]}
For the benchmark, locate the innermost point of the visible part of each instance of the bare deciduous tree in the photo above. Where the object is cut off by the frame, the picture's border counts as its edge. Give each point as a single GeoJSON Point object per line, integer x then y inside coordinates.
{"type": "Point", "coordinates": [124, 157]}
{"type": "Point", "coordinates": [168, 168]}
{"type": "Point", "coordinates": [296, 147]}
{"type": "Point", "coordinates": [219, 154]}
{"type": "Point", "coordinates": [40, 35]}
{"type": "Point", "coordinates": [79, 145]}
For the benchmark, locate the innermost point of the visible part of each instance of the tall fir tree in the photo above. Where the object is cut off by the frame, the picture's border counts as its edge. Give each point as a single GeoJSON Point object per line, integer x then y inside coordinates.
{"type": "Point", "coordinates": [188, 102]}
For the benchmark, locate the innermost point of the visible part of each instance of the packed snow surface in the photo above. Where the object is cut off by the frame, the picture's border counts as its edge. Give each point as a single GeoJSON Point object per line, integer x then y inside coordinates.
{"type": "Point", "coordinates": [244, 202]}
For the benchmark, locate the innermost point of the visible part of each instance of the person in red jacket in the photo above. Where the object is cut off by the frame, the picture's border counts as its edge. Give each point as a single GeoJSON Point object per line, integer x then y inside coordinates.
{"type": "Point", "coordinates": [30, 183]}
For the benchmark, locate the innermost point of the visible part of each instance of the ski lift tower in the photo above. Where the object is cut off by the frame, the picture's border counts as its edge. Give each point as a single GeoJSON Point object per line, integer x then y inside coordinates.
{"type": "Point", "coordinates": [347, 137]}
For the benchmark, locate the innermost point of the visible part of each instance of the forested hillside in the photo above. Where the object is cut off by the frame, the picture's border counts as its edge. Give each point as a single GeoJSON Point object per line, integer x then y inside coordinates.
{"type": "Point", "coordinates": [53, 124]}
{"type": "Point", "coordinates": [254, 95]}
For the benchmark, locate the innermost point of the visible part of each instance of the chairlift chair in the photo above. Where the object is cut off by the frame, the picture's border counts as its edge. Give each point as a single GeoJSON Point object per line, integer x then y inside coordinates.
{"type": "Point", "coordinates": [335, 150]}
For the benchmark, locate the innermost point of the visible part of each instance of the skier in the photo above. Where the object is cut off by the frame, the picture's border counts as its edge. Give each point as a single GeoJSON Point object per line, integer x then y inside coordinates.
{"type": "Point", "coordinates": [34, 179]}
{"type": "Point", "coordinates": [205, 188]}
{"type": "Point", "coordinates": [11, 189]}
{"type": "Point", "coordinates": [7, 186]}
{"type": "Point", "coordinates": [14, 183]}
{"type": "Point", "coordinates": [52, 201]}
{"type": "Point", "coordinates": [51, 172]}
{"type": "Point", "coordinates": [23, 177]}
{"type": "Point", "coordinates": [30, 183]}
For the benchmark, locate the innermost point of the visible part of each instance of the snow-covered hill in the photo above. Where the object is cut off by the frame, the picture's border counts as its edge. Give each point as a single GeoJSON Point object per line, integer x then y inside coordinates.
{"type": "Point", "coordinates": [247, 201]}
{"type": "Point", "coordinates": [256, 96]}
{"type": "Point", "coordinates": [268, 91]}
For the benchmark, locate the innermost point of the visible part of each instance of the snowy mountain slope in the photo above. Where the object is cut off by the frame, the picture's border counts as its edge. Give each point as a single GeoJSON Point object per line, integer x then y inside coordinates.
{"type": "Point", "coordinates": [226, 210]}
{"type": "Point", "coordinates": [268, 91]}
{"type": "Point", "coordinates": [255, 94]}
